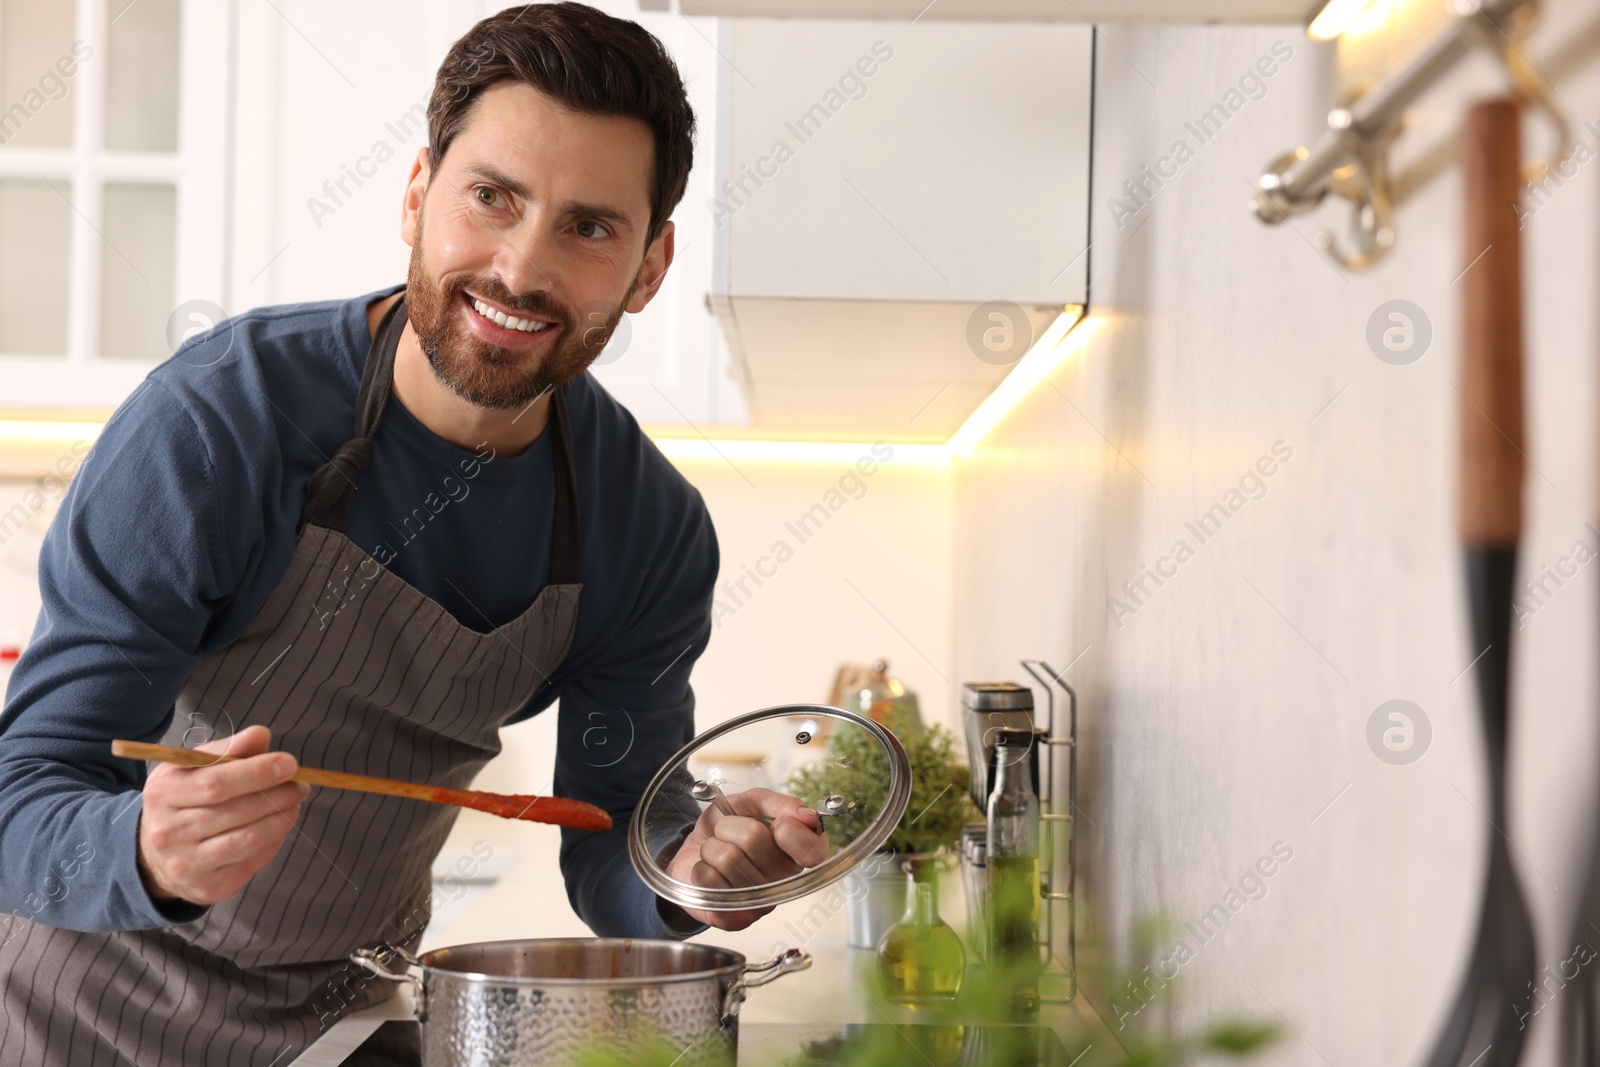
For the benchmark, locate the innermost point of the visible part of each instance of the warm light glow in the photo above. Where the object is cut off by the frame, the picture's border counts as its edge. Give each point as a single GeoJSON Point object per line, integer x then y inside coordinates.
{"type": "Point", "coordinates": [1058, 342]}
{"type": "Point", "coordinates": [1336, 17]}
{"type": "Point", "coordinates": [724, 450]}
{"type": "Point", "coordinates": [1038, 363]}
{"type": "Point", "coordinates": [35, 431]}
{"type": "Point", "coordinates": [1042, 360]}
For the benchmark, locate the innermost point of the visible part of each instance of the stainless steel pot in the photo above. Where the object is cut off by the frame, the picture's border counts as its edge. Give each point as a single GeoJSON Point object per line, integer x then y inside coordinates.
{"type": "Point", "coordinates": [541, 1001]}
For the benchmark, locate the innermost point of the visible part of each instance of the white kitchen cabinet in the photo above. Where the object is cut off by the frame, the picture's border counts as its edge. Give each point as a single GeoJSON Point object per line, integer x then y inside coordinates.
{"type": "Point", "coordinates": [113, 145]}
{"type": "Point", "coordinates": [886, 161]}
{"type": "Point", "coordinates": [877, 184]}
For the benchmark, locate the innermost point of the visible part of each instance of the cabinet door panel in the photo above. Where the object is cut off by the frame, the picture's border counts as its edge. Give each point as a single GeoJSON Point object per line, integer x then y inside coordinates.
{"type": "Point", "coordinates": [136, 270]}
{"type": "Point", "coordinates": [34, 38]}
{"type": "Point", "coordinates": [142, 64]}
{"type": "Point", "coordinates": [35, 224]}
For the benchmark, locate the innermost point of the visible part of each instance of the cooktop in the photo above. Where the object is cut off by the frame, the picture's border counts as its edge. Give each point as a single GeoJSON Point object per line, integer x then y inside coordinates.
{"type": "Point", "coordinates": [398, 1043]}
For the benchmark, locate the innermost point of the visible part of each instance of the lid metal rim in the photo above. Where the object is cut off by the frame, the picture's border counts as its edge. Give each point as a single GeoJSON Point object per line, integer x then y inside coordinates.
{"type": "Point", "coordinates": [795, 886]}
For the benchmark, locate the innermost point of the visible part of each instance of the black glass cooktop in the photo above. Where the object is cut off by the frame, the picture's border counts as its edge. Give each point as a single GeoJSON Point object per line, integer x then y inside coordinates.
{"type": "Point", "coordinates": [397, 1044]}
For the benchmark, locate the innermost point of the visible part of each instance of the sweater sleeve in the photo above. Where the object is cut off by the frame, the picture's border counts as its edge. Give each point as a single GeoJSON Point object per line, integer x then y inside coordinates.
{"type": "Point", "coordinates": [130, 576]}
{"type": "Point", "coordinates": [620, 721]}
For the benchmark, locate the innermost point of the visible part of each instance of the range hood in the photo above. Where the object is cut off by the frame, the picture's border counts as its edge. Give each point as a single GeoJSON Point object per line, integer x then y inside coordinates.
{"type": "Point", "coordinates": [898, 209]}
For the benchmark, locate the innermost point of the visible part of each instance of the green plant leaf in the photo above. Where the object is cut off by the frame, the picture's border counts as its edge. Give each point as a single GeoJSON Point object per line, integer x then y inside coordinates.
{"type": "Point", "coordinates": [858, 768]}
{"type": "Point", "coordinates": [1240, 1038]}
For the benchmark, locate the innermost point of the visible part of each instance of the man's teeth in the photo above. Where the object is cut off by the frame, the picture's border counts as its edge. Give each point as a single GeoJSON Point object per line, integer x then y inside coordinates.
{"type": "Point", "coordinates": [510, 322]}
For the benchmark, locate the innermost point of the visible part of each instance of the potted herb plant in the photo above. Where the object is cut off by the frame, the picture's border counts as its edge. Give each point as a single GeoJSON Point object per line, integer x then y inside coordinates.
{"type": "Point", "coordinates": [931, 825]}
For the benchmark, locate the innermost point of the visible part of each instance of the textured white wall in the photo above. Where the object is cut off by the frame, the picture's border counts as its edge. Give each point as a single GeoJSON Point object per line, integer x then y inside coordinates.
{"type": "Point", "coordinates": [1229, 712]}
{"type": "Point", "coordinates": [873, 581]}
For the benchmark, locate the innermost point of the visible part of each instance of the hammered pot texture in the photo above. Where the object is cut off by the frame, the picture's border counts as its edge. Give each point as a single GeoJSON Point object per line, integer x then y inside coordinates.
{"type": "Point", "coordinates": [472, 1025]}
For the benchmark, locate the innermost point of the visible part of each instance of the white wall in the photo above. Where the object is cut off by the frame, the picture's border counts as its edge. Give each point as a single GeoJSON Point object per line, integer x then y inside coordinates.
{"type": "Point", "coordinates": [873, 581]}
{"type": "Point", "coordinates": [1230, 711]}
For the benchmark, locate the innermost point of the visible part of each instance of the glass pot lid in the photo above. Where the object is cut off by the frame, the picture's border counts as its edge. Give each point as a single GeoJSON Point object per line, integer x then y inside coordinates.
{"type": "Point", "coordinates": [850, 771]}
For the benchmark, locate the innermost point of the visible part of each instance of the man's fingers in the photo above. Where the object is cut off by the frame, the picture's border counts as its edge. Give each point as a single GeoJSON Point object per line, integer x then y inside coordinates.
{"type": "Point", "coordinates": [200, 823]}
{"type": "Point", "coordinates": [188, 787]}
{"type": "Point", "coordinates": [730, 864]}
{"type": "Point", "coordinates": [247, 842]}
{"type": "Point", "coordinates": [704, 875]}
{"type": "Point", "coordinates": [729, 920]}
{"type": "Point", "coordinates": [755, 841]}
{"type": "Point", "coordinates": [206, 831]}
{"type": "Point", "coordinates": [251, 741]}
{"type": "Point", "coordinates": [772, 805]}
{"type": "Point", "coordinates": [741, 868]}
{"type": "Point", "coordinates": [799, 842]}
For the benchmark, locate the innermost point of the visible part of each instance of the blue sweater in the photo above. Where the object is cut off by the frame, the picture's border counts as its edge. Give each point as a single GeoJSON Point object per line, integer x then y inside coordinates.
{"type": "Point", "coordinates": [181, 522]}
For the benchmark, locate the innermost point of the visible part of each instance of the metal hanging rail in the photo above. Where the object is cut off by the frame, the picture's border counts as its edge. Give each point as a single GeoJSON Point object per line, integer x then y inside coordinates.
{"type": "Point", "coordinates": [1351, 157]}
{"type": "Point", "coordinates": [1058, 823]}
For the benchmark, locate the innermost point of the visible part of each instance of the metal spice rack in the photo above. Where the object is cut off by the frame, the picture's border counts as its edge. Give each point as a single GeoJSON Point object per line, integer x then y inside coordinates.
{"type": "Point", "coordinates": [1057, 825]}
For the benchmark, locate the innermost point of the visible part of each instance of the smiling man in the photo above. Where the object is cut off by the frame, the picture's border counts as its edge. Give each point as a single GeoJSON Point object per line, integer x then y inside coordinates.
{"type": "Point", "coordinates": [365, 535]}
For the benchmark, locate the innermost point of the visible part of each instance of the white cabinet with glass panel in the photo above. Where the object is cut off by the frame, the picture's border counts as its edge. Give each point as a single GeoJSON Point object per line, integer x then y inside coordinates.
{"type": "Point", "coordinates": [113, 153]}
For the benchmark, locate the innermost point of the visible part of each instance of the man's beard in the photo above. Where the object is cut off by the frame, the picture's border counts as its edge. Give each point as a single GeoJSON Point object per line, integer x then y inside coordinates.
{"type": "Point", "coordinates": [488, 375]}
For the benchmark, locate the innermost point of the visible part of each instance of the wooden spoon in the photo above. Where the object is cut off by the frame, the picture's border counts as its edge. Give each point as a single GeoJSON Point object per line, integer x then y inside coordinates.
{"type": "Point", "coordinates": [558, 811]}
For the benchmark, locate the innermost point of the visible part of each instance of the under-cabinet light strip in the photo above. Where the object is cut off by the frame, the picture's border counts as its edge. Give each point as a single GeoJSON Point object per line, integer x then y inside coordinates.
{"type": "Point", "coordinates": [1041, 360]}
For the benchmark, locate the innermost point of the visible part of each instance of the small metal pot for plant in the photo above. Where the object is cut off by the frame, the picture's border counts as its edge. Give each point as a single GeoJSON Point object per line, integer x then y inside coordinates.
{"type": "Point", "coordinates": [876, 898]}
{"type": "Point", "coordinates": [543, 1001]}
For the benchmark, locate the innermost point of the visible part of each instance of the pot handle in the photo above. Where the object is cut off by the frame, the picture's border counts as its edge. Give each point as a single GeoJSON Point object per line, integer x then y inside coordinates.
{"type": "Point", "coordinates": [381, 959]}
{"type": "Point", "coordinates": [759, 974]}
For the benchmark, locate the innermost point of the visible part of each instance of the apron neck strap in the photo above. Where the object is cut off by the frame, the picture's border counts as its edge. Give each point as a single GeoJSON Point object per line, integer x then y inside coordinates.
{"type": "Point", "coordinates": [333, 486]}
{"type": "Point", "coordinates": [331, 493]}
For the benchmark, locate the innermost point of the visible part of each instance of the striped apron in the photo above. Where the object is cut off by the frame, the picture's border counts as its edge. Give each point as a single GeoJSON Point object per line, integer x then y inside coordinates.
{"type": "Point", "coordinates": [352, 669]}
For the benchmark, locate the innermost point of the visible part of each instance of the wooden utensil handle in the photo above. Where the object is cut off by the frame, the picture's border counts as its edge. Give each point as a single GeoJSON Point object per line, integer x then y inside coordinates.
{"type": "Point", "coordinates": [187, 757]}
{"type": "Point", "coordinates": [1492, 434]}
{"type": "Point", "coordinates": [556, 810]}
{"type": "Point", "coordinates": [361, 783]}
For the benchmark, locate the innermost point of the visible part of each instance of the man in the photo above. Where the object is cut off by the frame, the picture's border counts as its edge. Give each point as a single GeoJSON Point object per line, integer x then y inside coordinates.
{"type": "Point", "coordinates": [366, 534]}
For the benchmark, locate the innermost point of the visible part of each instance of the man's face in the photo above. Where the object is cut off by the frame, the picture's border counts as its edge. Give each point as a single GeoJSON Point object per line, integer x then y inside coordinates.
{"type": "Point", "coordinates": [541, 214]}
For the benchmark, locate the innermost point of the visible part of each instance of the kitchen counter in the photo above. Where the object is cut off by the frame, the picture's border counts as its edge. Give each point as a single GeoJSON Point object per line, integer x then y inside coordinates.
{"type": "Point", "coordinates": [530, 900]}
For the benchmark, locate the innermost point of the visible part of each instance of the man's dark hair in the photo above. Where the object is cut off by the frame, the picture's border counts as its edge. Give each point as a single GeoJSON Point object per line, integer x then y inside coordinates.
{"type": "Point", "coordinates": [588, 62]}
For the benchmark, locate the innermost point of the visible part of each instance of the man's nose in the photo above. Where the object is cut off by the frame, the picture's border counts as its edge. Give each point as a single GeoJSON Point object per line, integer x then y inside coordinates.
{"type": "Point", "coordinates": [530, 259]}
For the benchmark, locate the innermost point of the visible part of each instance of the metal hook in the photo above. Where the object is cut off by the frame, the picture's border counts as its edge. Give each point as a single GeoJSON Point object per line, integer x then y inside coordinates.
{"type": "Point", "coordinates": [1530, 85]}
{"type": "Point", "coordinates": [1351, 158]}
{"type": "Point", "coordinates": [1361, 177]}
{"type": "Point", "coordinates": [1364, 181]}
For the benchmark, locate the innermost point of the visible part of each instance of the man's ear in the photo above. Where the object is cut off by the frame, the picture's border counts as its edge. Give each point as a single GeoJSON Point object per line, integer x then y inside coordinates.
{"type": "Point", "coordinates": [411, 202]}
{"type": "Point", "coordinates": [657, 258]}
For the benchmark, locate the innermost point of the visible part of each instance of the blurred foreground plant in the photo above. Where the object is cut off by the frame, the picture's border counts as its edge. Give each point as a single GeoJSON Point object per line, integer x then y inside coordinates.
{"type": "Point", "coordinates": [973, 1031]}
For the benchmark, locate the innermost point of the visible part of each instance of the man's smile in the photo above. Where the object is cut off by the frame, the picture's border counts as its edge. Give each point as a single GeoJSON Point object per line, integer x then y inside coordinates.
{"type": "Point", "coordinates": [498, 326]}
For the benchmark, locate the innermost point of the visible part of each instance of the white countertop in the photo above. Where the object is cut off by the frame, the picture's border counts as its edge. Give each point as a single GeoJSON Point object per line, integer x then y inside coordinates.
{"type": "Point", "coordinates": [530, 900]}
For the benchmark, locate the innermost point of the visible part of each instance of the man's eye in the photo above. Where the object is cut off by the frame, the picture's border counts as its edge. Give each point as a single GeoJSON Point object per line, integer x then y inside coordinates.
{"type": "Point", "coordinates": [486, 196]}
{"type": "Point", "coordinates": [591, 228]}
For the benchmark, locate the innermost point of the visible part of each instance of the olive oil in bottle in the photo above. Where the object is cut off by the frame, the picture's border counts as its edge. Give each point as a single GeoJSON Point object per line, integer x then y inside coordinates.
{"type": "Point", "coordinates": [1013, 904]}
{"type": "Point", "coordinates": [1014, 910]}
{"type": "Point", "coordinates": [920, 958]}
